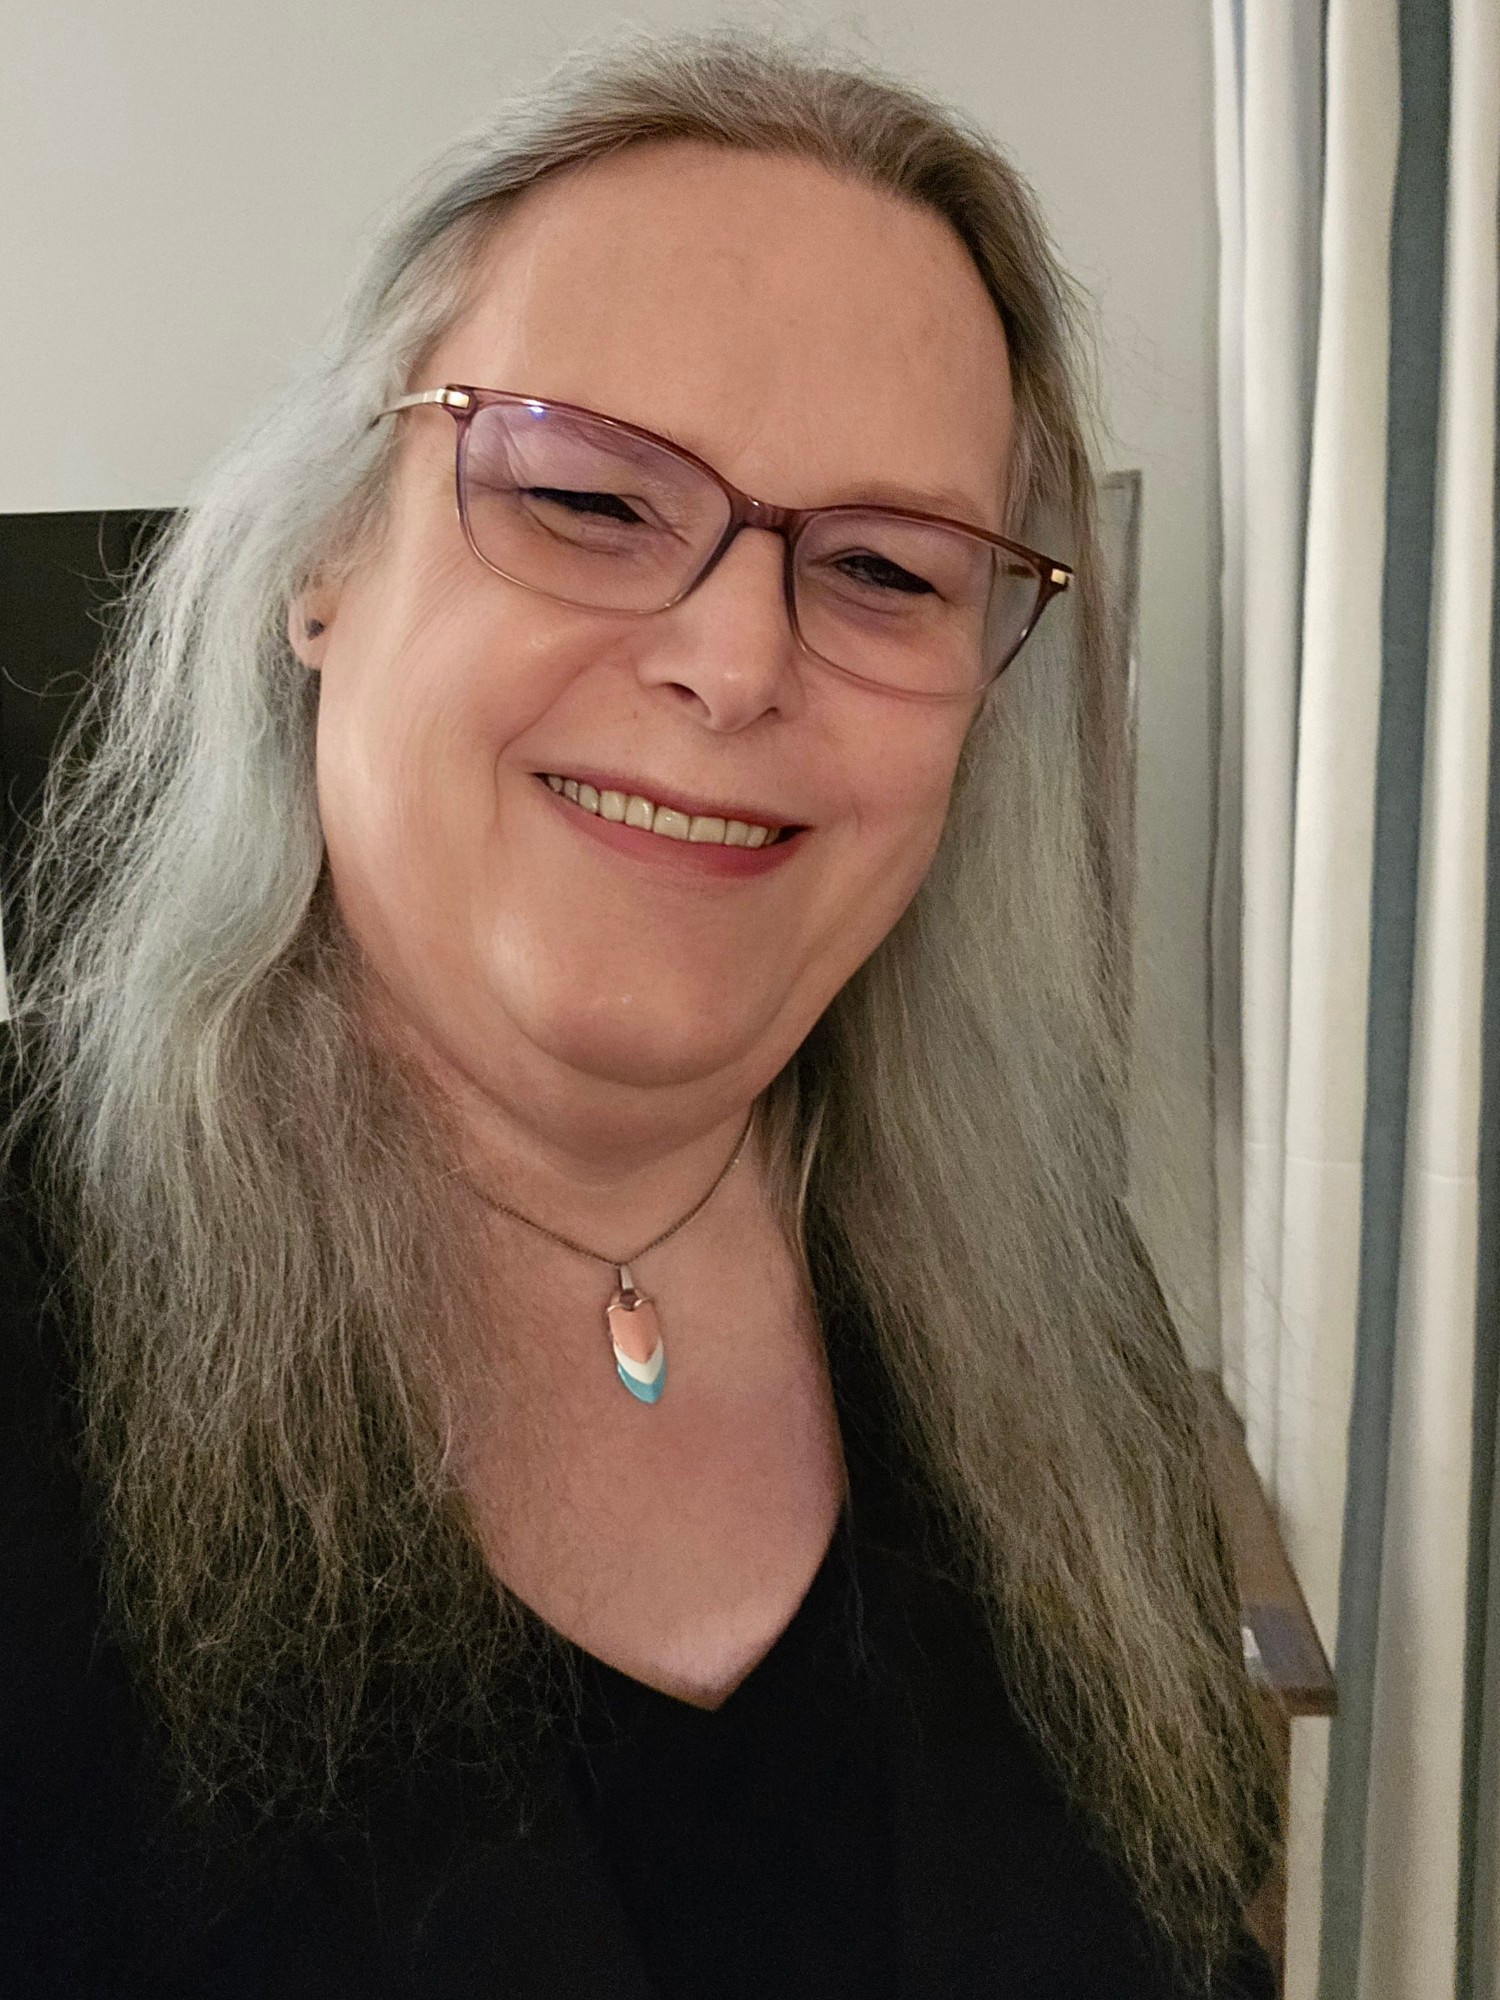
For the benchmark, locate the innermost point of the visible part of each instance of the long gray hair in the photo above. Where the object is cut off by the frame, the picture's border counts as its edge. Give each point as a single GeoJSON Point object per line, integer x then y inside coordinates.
{"type": "Point", "coordinates": [249, 1196]}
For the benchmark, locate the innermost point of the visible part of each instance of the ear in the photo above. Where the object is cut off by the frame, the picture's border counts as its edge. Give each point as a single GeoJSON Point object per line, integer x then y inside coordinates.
{"type": "Point", "coordinates": [309, 623]}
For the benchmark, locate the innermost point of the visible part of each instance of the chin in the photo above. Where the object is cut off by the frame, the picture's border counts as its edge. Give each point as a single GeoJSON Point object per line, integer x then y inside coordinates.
{"type": "Point", "coordinates": [668, 1046]}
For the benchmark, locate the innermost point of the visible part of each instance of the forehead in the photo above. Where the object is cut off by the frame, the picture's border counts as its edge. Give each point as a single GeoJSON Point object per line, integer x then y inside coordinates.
{"type": "Point", "coordinates": [813, 337]}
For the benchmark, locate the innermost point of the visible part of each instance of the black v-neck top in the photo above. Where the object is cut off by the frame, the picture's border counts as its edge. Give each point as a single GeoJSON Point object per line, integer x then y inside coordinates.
{"type": "Point", "coordinates": [751, 1844]}
{"type": "Point", "coordinates": [862, 1816]}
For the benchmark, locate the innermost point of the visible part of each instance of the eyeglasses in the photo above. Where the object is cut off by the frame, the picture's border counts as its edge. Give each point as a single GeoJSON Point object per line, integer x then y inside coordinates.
{"type": "Point", "coordinates": [595, 512]}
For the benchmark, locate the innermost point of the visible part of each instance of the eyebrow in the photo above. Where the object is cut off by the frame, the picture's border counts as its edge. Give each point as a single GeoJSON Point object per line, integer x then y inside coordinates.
{"type": "Point", "coordinates": [920, 499]}
{"type": "Point", "coordinates": [944, 500]}
{"type": "Point", "coordinates": [889, 493]}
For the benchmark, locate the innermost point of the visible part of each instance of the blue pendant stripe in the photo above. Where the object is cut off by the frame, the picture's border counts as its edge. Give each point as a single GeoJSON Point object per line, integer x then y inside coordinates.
{"type": "Point", "coordinates": [644, 1379]}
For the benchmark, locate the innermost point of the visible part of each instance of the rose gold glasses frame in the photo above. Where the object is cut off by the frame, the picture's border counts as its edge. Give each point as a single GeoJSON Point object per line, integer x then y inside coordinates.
{"type": "Point", "coordinates": [463, 402]}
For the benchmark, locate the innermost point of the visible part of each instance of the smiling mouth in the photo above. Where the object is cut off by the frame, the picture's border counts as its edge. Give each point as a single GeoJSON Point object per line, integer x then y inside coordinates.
{"type": "Point", "coordinates": [631, 809]}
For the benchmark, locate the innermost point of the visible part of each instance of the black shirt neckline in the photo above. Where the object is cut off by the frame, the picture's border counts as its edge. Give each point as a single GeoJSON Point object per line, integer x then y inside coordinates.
{"type": "Point", "coordinates": [879, 1507]}
{"type": "Point", "coordinates": [627, 1696]}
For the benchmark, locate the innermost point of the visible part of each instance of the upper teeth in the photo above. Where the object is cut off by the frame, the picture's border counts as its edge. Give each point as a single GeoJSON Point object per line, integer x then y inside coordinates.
{"type": "Point", "coordinates": [636, 811]}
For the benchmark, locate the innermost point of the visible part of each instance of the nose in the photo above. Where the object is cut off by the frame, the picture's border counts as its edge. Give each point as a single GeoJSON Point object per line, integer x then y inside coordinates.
{"type": "Point", "coordinates": [727, 649]}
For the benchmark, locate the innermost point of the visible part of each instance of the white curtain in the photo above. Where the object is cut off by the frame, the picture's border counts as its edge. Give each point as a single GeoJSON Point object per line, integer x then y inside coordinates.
{"type": "Point", "coordinates": [1358, 160]}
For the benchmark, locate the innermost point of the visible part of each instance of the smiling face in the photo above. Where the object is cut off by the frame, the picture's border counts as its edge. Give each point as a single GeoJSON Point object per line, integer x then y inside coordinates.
{"type": "Point", "coordinates": [817, 342]}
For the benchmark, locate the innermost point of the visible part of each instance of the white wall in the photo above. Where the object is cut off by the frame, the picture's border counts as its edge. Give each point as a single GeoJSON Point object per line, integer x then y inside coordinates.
{"type": "Point", "coordinates": [182, 189]}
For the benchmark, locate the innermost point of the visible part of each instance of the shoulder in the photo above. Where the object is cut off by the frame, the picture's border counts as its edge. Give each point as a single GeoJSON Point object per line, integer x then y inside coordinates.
{"type": "Point", "coordinates": [65, 1702]}
{"type": "Point", "coordinates": [1002, 1877]}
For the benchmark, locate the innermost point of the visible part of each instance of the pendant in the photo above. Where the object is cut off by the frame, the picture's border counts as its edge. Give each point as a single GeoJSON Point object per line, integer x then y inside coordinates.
{"type": "Point", "coordinates": [635, 1334]}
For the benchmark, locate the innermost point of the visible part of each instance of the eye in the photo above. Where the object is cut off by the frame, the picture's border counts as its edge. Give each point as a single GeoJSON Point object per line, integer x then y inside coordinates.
{"type": "Point", "coordinates": [861, 566]}
{"type": "Point", "coordinates": [607, 506]}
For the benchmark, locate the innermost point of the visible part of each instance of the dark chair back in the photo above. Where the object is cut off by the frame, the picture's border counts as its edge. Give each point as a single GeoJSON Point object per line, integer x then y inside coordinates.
{"type": "Point", "coordinates": [60, 576]}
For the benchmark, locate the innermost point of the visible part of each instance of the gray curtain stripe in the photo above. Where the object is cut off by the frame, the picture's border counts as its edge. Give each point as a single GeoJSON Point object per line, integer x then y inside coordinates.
{"type": "Point", "coordinates": [1416, 304]}
{"type": "Point", "coordinates": [1312, 137]}
{"type": "Point", "coordinates": [1478, 1851]}
{"type": "Point", "coordinates": [1237, 18]}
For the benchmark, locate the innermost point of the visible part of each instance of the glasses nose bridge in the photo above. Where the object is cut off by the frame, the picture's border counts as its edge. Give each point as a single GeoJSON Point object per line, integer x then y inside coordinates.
{"type": "Point", "coordinates": [750, 513]}
{"type": "Point", "coordinates": [745, 512]}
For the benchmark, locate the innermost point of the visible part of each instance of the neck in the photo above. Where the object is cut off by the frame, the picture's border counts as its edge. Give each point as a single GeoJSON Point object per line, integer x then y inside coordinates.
{"type": "Point", "coordinates": [611, 1167]}
{"type": "Point", "coordinates": [606, 1164]}
{"type": "Point", "coordinates": [639, 1194]}
{"type": "Point", "coordinates": [705, 1247]}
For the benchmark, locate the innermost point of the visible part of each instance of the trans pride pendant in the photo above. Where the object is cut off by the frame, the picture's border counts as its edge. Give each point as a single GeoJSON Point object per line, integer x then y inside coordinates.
{"type": "Point", "coordinates": [635, 1334]}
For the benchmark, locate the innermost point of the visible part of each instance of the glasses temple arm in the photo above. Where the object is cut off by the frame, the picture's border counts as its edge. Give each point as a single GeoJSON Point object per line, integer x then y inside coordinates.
{"type": "Point", "coordinates": [449, 399]}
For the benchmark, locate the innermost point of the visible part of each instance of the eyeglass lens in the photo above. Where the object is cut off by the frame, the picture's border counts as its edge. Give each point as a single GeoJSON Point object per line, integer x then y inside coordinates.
{"type": "Point", "coordinates": [582, 512]}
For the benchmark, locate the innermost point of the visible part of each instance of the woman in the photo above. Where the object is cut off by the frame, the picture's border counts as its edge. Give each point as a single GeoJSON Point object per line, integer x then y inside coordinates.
{"type": "Point", "coordinates": [568, 1081]}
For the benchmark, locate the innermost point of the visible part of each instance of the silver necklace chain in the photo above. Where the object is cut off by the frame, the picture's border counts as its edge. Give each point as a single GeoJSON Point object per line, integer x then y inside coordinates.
{"type": "Point", "coordinates": [621, 1263]}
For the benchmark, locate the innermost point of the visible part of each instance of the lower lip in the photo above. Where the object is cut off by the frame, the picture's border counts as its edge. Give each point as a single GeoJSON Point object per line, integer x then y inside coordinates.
{"type": "Point", "coordinates": [695, 857]}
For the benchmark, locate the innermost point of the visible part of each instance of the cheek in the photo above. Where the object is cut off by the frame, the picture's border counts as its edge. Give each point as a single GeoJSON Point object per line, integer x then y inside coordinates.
{"type": "Point", "coordinates": [397, 776]}
{"type": "Point", "coordinates": [891, 817]}
{"type": "Point", "coordinates": [895, 872]}
{"type": "Point", "coordinates": [418, 700]}
{"type": "Point", "coordinates": [899, 801]}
